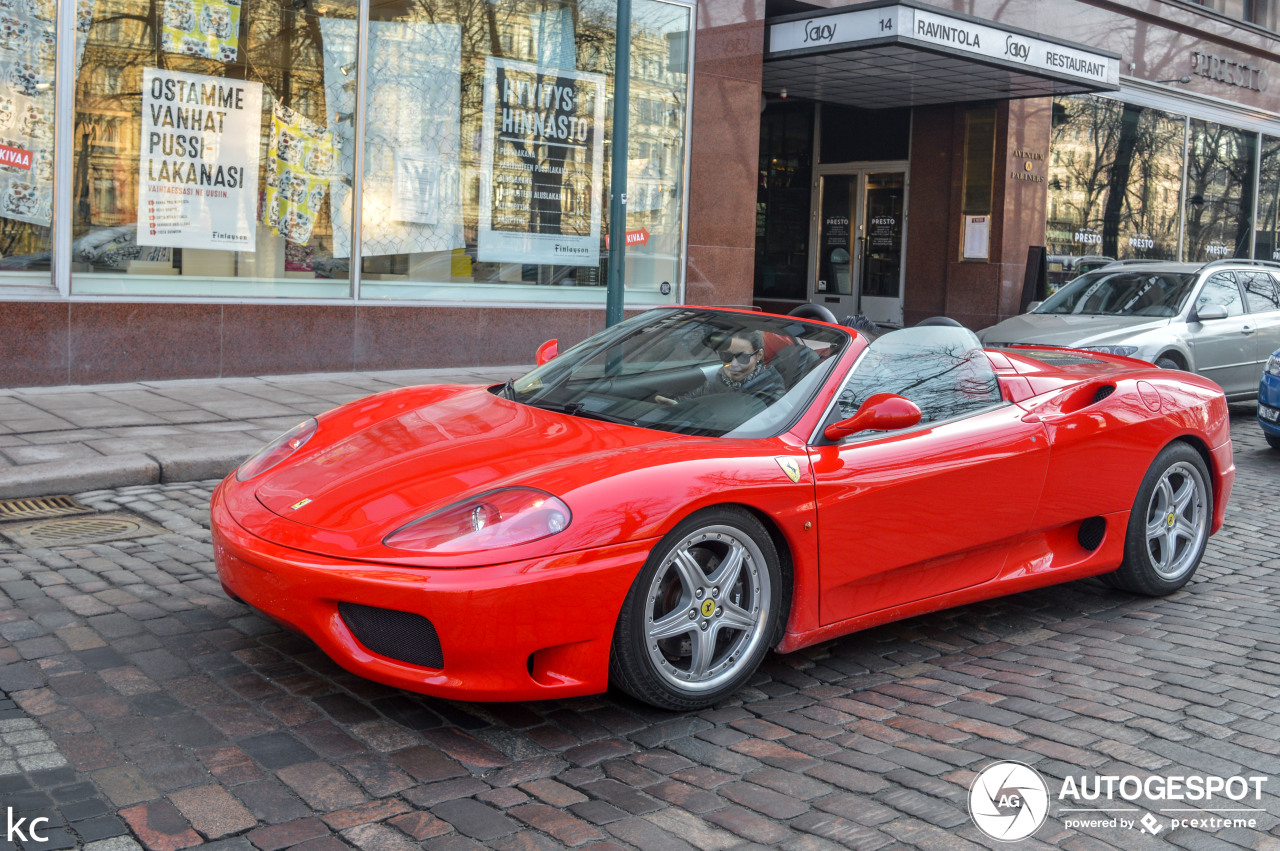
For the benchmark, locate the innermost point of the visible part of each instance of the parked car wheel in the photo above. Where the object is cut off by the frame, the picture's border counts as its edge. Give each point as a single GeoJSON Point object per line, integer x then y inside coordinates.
{"type": "Point", "coordinates": [1169, 524]}
{"type": "Point", "coordinates": [1168, 363]}
{"type": "Point", "coordinates": [701, 614]}
{"type": "Point", "coordinates": [1272, 440]}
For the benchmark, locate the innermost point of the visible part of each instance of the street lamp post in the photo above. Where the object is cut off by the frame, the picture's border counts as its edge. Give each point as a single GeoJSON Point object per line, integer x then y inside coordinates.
{"type": "Point", "coordinates": [618, 175]}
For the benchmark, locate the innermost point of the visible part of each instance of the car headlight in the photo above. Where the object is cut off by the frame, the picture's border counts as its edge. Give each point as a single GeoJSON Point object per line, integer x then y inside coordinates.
{"type": "Point", "coordinates": [1273, 364]}
{"type": "Point", "coordinates": [277, 450]}
{"type": "Point", "coordinates": [1126, 351]}
{"type": "Point", "coordinates": [499, 518]}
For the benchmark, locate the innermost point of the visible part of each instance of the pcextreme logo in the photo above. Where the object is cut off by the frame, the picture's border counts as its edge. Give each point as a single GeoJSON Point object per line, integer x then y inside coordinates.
{"type": "Point", "coordinates": [1009, 801]}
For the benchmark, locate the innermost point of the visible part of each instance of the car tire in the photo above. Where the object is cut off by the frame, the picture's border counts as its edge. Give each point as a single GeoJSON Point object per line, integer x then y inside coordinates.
{"type": "Point", "coordinates": [701, 614]}
{"type": "Point", "coordinates": [1272, 440]}
{"type": "Point", "coordinates": [1168, 363]}
{"type": "Point", "coordinates": [1169, 524]}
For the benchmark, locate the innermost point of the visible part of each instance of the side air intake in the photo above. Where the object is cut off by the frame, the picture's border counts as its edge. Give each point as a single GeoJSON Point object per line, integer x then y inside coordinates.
{"type": "Point", "coordinates": [1091, 533]}
{"type": "Point", "coordinates": [402, 636]}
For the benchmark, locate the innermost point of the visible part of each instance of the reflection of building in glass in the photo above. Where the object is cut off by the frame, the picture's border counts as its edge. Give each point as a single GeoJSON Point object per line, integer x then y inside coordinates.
{"type": "Point", "coordinates": [1267, 239]}
{"type": "Point", "coordinates": [283, 46]}
{"type": "Point", "coordinates": [1220, 186]}
{"type": "Point", "coordinates": [1115, 172]}
{"type": "Point", "coordinates": [279, 48]}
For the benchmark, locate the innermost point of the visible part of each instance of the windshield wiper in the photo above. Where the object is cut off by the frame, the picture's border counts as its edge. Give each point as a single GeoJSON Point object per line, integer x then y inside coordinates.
{"type": "Point", "coordinates": [577, 409]}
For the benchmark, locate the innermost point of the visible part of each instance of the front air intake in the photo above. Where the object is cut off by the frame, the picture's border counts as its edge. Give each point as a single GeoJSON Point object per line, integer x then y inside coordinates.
{"type": "Point", "coordinates": [402, 636]}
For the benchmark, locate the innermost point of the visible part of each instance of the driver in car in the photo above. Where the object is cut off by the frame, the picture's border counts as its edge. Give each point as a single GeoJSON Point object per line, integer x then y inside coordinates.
{"type": "Point", "coordinates": [744, 370]}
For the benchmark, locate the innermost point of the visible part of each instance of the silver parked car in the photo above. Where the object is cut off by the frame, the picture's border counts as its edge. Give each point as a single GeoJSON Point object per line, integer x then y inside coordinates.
{"type": "Point", "coordinates": [1220, 319]}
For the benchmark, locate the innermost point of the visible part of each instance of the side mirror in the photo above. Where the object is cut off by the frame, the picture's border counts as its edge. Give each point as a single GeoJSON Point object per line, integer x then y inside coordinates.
{"type": "Point", "coordinates": [1209, 311]}
{"type": "Point", "coordinates": [548, 351]}
{"type": "Point", "coordinates": [881, 412]}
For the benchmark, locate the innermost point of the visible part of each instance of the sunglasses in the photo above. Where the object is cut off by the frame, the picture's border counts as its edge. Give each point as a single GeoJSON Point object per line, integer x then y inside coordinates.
{"type": "Point", "coordinates": [727, 357]}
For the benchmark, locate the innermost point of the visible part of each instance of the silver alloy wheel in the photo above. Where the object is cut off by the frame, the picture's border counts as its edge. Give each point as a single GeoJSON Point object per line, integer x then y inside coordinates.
{"type": "Point", "coordinates": [707, 608]}
{"type": "Point", "coordinates": [1177, 520]}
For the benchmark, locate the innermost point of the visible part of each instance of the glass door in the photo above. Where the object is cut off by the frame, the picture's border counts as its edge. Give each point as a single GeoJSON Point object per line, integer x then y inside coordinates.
{"type": "Point", "coordinates": [831, 280]}
{"type": "Point", "coordinates": [880, 266]}
{"type": "Point", "coordinates": [859, 214]}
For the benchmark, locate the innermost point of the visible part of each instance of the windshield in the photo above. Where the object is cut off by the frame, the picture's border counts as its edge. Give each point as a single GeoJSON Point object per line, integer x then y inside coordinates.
{"type": "Point", "coordinates": [1131, 292]}
{"type": "Point", "coordinates": [690, 371]}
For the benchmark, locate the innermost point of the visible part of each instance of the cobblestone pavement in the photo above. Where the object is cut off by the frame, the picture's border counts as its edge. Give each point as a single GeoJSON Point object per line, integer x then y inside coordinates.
{"type": "Point", "coordinates": [146, 708]}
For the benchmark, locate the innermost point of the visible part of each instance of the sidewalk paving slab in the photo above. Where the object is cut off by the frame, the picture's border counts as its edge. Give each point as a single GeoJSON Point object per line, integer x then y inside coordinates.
{"type": "Point", "coordinates": [56, 440]}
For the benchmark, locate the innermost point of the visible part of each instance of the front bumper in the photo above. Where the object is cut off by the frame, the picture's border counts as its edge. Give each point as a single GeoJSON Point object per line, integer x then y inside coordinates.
{"type": "Point", "coordinates": [527, 630]}
{"type": "Point", "coordinates": [1269, 400]}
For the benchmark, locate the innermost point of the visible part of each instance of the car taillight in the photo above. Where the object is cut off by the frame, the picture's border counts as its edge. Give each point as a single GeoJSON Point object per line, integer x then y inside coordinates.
{"type": "Point", "coordinates": [277, 450]}
{"type": "Point", "coordinates": [500, 518]}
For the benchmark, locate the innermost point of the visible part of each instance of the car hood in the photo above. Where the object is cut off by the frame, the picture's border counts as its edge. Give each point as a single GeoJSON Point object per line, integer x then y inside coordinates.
{"type": "Point", "coordinates": [1055, 329]}
{"type": "Point", "coordinates": [376, 477]}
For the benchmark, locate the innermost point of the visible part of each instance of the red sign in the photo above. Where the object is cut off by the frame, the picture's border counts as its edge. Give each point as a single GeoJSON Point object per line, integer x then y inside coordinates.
{"type": "Point", "coordinates": [634, 237]}
{"type": "Point", "coordinates": [18, 158]}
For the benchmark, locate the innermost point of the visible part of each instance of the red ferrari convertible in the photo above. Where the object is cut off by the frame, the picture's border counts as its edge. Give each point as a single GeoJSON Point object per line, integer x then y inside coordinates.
{"type": "Point", "coordinates": [664, 503]}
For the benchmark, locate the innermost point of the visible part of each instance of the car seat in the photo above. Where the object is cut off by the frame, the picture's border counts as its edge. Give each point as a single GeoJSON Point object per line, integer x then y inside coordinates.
{"type": "Point", "coordinates": [794, 362]}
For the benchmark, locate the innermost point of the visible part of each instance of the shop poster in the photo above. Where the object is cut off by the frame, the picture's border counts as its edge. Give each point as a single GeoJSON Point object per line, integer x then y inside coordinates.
{"type": "Point", "coordinates": [300, 161]}
{"type": "Point", "coordinates": [541, 165]}
{"type": "Point", "coordinates": [209, 29]}
{"type": "Point", "coordinates": [28, 60]}
{"type": "Point", "coordinates": [198, 163]}
{"type": "Point", "coordinates": [412, 174]}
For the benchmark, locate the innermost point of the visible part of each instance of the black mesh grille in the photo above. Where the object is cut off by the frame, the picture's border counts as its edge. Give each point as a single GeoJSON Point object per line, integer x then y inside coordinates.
{"type": "Point", "coordinates": [402, 636]}
{"type": "Point", "coordinates": [1091, 533]}
{"type": "Point", "coordinates": [1103, 392]}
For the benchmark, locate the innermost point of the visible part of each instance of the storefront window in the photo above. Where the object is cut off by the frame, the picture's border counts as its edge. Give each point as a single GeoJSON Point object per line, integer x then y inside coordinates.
{"type": "Point", "coordinates": [205, 159]}
{"type": "Point", "coordinates": [1220, 189]}
{"type": "Point", "coordinates": [487, 147]}
{"type": "Point", "coordinates": [1115, 172]}
{"type": "Point", "coordinates": [782, 201]}
{"type": "Point", "coordinates": [221, 146]}
{"type": "Point", "coordinates": [1266, 245]}
{"type": "Point", "coordinates": [28, 59]}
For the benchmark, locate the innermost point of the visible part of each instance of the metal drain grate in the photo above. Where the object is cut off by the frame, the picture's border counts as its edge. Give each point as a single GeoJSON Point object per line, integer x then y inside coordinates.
{"type": "Point", "coordinates": [42, 506]}
{"type": "Point", "coordinates": [75, 531]}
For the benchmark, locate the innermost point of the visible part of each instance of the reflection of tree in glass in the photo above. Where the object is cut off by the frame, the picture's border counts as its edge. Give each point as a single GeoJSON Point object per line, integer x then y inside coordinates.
{"type": "Point", "coordinates": [943, 380]}
{"type": "Point", "coordinates": [1143, 182]}
{"type": "Point", "coordinates": [1220, 184]}
{"type": "Point", "coordinates": [1115, 171]}
{"type": "Point", "coordinates": [1268, 243]}
{"type": "Point", "coordinates": [1085, 132]}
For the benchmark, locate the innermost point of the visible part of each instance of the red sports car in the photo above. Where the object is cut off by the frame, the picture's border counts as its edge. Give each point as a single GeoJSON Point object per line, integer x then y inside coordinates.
{"type": "Point", "coordinates": [664, 503]}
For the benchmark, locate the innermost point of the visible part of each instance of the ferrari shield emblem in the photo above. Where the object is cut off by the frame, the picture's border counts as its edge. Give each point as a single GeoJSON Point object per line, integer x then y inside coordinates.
{"type": "Point", "coordinates": [299, 504]}
{"type": "Point", "coordinates": [708, 607]}
{"type": "Point", "coordinates": [789, 466]}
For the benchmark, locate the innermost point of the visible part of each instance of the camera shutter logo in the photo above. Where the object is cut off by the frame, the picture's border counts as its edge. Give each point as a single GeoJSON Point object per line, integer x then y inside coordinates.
{"type": "Point", "coordinates": [1008, 801]}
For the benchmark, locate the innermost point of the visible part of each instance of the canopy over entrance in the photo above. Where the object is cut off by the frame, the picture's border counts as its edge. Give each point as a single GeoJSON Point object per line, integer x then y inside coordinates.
{"type": "Point", "coordinates": [880, 55]}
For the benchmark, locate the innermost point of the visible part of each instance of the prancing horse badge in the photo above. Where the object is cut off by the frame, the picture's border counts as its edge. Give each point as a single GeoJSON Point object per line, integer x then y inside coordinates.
{"type": "Point", "coordinates": [789, 466]}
